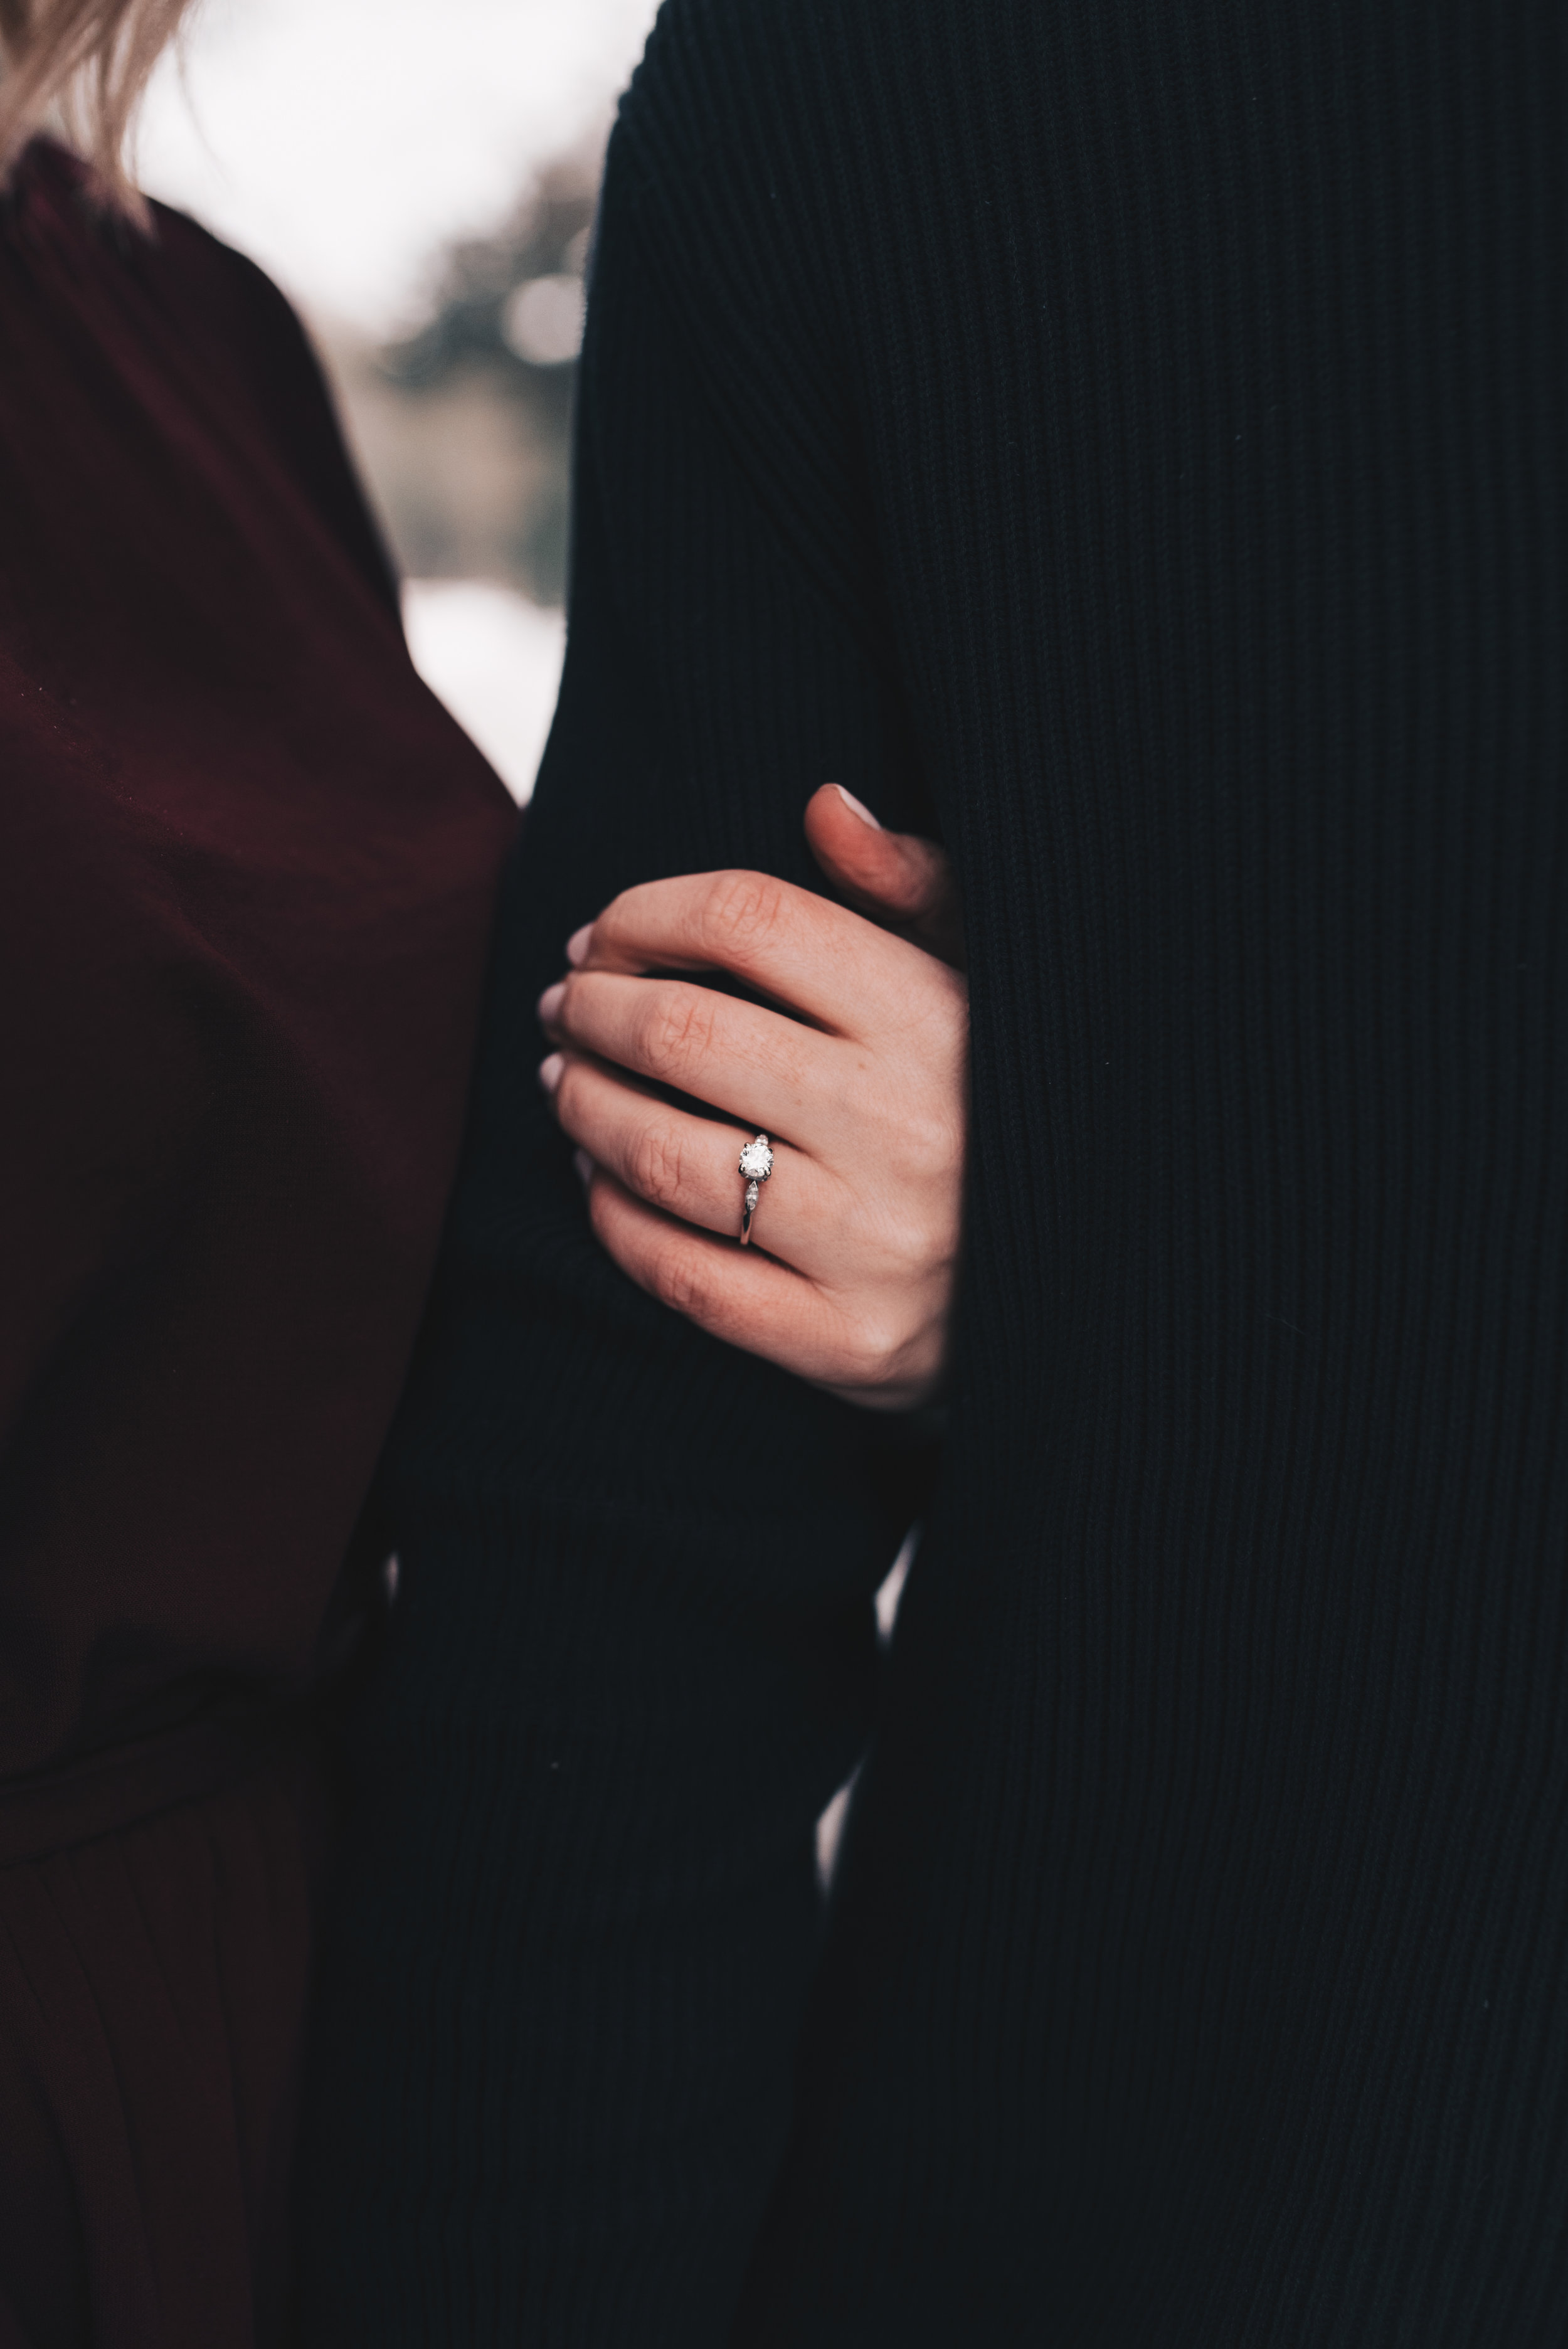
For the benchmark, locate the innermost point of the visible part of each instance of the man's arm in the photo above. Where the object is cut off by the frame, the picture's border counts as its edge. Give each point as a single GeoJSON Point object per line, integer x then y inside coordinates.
{"type": "Point", "coordinates": [632, 1654]}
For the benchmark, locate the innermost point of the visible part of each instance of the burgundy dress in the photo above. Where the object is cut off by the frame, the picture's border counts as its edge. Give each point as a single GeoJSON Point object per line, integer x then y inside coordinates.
{"type": "Point", "coordinates": [246, 870]}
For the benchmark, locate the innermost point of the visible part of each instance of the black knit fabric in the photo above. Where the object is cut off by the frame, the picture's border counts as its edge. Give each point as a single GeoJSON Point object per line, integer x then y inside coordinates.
{"type": "Point", "coordinates": [1129, 437]}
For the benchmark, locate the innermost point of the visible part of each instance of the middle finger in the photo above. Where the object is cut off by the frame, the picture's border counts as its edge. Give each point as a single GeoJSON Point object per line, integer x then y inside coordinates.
{"type": "Point", "coordinates": [765, 1071]}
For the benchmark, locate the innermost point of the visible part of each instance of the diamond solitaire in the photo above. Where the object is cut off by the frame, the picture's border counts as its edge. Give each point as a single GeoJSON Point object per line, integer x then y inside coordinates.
{"type": "Point", "coordinates": [756, 1164]}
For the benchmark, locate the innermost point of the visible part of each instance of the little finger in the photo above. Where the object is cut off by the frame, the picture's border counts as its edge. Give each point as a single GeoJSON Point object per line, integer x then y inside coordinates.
{"type": "Point", "coordinates": [734, 1294]}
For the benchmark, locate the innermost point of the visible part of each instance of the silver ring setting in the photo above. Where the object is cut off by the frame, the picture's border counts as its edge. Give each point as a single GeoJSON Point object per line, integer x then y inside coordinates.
{"type": "Point", "coordinates": [756, 1165]}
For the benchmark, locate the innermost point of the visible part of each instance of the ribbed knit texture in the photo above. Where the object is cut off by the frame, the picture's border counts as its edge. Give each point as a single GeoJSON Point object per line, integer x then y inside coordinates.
{"type": "Point", "coordinates": [1129, 436]}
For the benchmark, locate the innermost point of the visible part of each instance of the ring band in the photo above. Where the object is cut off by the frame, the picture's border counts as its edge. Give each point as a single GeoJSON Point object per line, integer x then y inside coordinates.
{"type": "Point", "coordinates": [756, 1165]}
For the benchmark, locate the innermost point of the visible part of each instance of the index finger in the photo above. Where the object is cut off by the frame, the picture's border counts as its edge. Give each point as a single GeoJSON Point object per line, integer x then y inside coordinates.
{"type": "Point", "coordinates": [847, 976]}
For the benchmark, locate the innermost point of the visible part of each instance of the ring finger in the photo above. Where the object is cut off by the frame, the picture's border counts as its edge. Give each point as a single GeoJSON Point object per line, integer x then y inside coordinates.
{"type": "Point", "coordinates": [689, 1165]}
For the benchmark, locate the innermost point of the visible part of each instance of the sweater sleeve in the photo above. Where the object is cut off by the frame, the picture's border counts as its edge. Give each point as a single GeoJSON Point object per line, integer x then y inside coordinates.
{"type": "Point", "coordinates": [633, 1652]}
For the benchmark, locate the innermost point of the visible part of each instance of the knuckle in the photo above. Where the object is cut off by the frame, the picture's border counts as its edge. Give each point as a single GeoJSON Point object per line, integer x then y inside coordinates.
{"type": "Point", "coordinates": [909, 1244]}
{"type": "Point", "coordinates": [679, 1028]}
{"type": "Point", "coordinates": [677, 1281]}
{"type": "Point", "coordinates": [657, 1166]}
{"type": "Point", "coordinates": [929, 1141]}
{"type": "Point", "coordinates": [946, 1019]}
{"type": "Point", "coordinates": [740, 913]}
{"type": "Point", "coordinates": [873, 1351]}
{"type": "Point", "coordinates": [786, 1059]}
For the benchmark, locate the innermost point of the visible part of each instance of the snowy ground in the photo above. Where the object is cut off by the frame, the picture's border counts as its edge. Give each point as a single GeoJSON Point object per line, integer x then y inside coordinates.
{"type": "Point", "coordinates": [494, 658]}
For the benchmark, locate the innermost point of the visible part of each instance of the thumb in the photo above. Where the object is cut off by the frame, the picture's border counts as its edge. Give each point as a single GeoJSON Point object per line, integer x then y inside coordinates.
{"type": "Point", "coordinates": [897, 878]}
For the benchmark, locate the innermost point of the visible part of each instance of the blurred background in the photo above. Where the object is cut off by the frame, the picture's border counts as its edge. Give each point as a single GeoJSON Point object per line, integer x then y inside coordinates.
{"type": "Point", "coordinates": [420, 180]}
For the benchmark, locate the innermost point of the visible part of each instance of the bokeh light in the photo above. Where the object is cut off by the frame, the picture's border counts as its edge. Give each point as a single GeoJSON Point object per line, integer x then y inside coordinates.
{"type": "Point", "coordinates": [420, 181]}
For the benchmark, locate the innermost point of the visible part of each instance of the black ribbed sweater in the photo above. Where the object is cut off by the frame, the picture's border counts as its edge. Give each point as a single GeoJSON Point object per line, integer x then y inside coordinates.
{"type": "Point", "coordinates": [1129, 436]}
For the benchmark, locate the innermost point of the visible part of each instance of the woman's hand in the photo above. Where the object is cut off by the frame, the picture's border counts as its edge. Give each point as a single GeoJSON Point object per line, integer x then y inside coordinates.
{"type": "Point", "coordinates": [862, 1093]}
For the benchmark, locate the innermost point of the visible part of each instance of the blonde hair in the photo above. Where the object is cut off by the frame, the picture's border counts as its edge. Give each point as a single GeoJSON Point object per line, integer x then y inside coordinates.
{"type": "Point", "coordinates": [87, 60]}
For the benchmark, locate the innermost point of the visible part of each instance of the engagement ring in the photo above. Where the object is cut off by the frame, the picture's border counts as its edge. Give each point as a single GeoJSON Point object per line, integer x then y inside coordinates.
{"type": "Point", "coordinates": [756, 1164]}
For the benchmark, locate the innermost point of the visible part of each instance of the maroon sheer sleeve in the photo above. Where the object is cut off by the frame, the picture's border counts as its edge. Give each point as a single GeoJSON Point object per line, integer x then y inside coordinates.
{"type": "Point", "coordinates": [247, 864]}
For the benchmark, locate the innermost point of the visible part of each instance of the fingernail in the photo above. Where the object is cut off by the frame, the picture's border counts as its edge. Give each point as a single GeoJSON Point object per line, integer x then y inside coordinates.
{"type": "Point", "coordinates": [551, 1001]}
{"type": "Point", "coordinates": [584, 1165]}
{"type": "Point", "coordinates": [577, 946]}
{"type": "Point", "coordinates": [550, 1071]}
{"type": "Point", "coordinates": [855, 806]}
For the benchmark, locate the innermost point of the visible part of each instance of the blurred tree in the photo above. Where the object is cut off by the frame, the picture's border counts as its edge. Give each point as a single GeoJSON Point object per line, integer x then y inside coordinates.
{"type": "Point", "coordinates": [464, 423]}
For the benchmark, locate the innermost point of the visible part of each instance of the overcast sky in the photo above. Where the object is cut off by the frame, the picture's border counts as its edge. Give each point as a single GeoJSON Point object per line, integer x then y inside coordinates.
{"type": "Point", "coordinates": [341, 141]}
